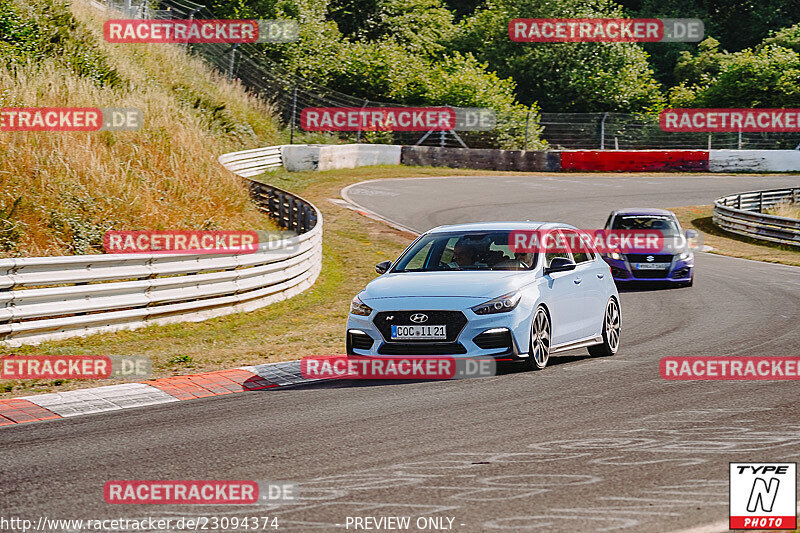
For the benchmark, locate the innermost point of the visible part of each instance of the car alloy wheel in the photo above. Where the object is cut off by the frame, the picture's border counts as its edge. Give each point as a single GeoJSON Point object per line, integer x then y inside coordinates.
{"type": "Point", "coordinates": [612, 322]}
{"type": "Point", "coordinates": [539, 352]}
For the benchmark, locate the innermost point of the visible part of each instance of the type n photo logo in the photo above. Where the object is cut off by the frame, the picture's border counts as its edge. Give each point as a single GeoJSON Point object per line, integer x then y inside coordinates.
{"type": "Point", "coordinates": [763, 496]}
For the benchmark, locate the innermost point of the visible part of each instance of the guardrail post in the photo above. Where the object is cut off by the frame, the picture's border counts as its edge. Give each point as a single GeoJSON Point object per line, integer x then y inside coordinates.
{"type": "Point", "coordinates": [760, 201]}
{"type": "Point", "coordinates": [795, 196]}
{"type": "Point", "coordinates": [738, 201]}
{"type": "Point", "coordinates": [290, 218]}
{"type": "Point", "coordinates": [303, 220]}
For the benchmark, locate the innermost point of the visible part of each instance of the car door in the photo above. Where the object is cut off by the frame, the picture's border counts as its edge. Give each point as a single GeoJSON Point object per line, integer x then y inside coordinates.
{"type": "Point", "coordinates": [593, 272]}
{"type": "Point", "coordinates": [563, 296]}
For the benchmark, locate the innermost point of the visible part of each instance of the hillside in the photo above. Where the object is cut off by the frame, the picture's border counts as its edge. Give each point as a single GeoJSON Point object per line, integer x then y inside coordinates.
{"type": "Point", "coordinates": [60, 191]}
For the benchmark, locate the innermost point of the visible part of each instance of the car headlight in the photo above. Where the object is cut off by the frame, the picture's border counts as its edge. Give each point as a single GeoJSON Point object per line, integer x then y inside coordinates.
{"type": "Point", "coordinates": [357, 307]}
{"type": "Point", "coordinates": [501, 304]}
{"type": "Point", "coordinates": [684, 255]}
{"type": "Point", "coordinates": [615, 255]}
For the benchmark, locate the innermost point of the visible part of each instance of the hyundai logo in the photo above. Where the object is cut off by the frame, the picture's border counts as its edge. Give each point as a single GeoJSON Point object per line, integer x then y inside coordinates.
{"type": "Point", "coordinates": [650, 258]}
{"type": "Point", "coordinates": [419, 318]}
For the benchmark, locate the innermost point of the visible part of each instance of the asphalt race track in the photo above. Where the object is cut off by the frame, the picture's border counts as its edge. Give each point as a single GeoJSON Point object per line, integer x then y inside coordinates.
{"type": "Point", "coordinates": [586, 445]}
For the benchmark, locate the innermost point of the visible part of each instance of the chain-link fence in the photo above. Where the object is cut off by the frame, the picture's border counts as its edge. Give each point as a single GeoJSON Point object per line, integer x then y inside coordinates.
{"type": "Point", "coordinates": [289, 94]}
{"type": "Point", "coordinates": [624, 131]}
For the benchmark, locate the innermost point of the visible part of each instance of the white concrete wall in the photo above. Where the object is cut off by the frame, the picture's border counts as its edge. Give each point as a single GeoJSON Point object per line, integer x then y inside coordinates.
{"type": "Point", "coordinates": [754, 160]}
{"type": "Point", "coordinates": [331, 156]}
{"type": "Point", "coordinates": [298, 157]}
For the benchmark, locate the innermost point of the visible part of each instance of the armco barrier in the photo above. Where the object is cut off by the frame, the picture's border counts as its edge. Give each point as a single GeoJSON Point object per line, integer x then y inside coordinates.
{"type": "Point", "coordinates": [744, 214]}
{"type": "Point", "coordinates": [109, 292]}
{"type": "Point", "coordinates": [483, 159]}
{"type": "Point", "coordinates": [635, 160]}
{"type": "Point", "coordinates": [324, 157]}
{"type": "Point", "coordinates": [754, 160]}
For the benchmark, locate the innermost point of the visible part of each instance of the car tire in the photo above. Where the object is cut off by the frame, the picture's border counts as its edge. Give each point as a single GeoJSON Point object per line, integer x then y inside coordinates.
{"type": "Point", "coordinates": [539, 346]}
{"type": "Point", "coordinates": [612, 322]}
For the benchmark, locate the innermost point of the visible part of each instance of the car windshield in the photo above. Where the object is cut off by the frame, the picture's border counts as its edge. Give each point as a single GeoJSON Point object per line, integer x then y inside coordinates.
{"type": "Point", "coordinates": [463, 251]}
{"type": "Point", "coordinates": [663, 223]}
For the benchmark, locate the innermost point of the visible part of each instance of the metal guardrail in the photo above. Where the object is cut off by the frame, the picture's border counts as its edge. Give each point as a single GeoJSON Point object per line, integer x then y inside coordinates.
{"type": "Point", "coordinates": [288, 211]}
{"type": "Point", "coordinates": [47, 298]}
{"type": "Point", "coordinates": [744, 214]}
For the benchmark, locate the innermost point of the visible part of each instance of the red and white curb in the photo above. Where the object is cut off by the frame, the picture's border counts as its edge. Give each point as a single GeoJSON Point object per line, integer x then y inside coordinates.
{"type": "Point", "coordinates": [153, 392]}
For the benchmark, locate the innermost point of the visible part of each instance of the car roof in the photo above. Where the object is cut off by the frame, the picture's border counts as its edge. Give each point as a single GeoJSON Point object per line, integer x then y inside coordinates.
{"type": "Point", "coordinates": [643, 211]}
{"type": "Point", "coordinates": [498, 226]}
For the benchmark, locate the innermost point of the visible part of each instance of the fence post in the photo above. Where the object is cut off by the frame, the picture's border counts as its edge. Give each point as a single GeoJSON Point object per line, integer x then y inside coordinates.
{"type": "Point", "coordinates": [358, 135]}
{"type": "Point", "coordinates": [191, 18]}
{"type": "Point", "coordinates": [294, 112]}
{"type": "Point", "coordinates": [740, 138]}
{"type": "Point", "coordinates": [527, 121]}
{"type": "Point", "coordinates": [232, 61]}
{"type": "Point", "coordinates": [709, 141]}
{"type": "Point", "coordinates": [603, 131]}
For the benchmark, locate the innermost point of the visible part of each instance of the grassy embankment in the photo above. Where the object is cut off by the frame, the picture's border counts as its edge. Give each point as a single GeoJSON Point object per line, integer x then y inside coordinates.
{"type": "Point", "coordinates": [60, 191]}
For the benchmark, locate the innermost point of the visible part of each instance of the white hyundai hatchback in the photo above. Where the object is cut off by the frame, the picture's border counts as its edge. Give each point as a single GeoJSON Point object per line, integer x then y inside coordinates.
{"type": "Point", "coordinates": [463, 290]}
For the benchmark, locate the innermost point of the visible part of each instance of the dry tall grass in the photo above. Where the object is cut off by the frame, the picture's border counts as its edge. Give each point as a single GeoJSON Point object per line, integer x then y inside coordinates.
{"type": "Point", "coordinates": [786, 210]}
{"type": "Point", "coordinates": [59, 191]}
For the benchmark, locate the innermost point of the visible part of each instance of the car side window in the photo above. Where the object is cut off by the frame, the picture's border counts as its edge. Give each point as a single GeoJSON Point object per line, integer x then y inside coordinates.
{"type": "Point", "coordinates": [581, 252]}
{"type": "Point", "coordinates": [549, 256]}
{"type": "Point", "coordinates": [418, 261]}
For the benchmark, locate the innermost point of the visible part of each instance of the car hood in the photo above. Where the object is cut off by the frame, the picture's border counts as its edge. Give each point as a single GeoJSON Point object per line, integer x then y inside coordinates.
{"type": "Point", "coordinates": [484, 285]}
{"type": "Point", "coordinates": [671, 245]}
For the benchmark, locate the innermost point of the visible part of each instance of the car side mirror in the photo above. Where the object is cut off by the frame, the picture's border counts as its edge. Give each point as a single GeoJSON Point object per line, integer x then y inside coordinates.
{"type": "Point", "coordinates": [560, 264]}
{"type": "Point", "coordinates": [382, 267]}
{"type": "Point", "coordinates": [691, 234]}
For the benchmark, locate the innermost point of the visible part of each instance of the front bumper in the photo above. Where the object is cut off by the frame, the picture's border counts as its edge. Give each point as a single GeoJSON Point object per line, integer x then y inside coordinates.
{"type": "Point", "coordinates": [500, 335]}
{"type": "Point", "coordinates": [680, 271]}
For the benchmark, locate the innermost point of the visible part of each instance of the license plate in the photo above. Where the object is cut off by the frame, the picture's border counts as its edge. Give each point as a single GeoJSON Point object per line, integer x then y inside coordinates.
{"type": "Point", "coordinates": [419, 332]}
{"type": "Point", "coordinates": [651, 266]}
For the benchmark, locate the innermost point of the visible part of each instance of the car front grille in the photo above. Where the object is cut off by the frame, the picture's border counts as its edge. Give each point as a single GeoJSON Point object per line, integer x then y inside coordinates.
{"type": "Point", "coordinates": [650, 274]}
{"type": "Point", "coordinates": [418, 348]}
{"type": "Point", "coordinates": [453, 320]}
{"type": "Point", "coordinates": [642, 258]}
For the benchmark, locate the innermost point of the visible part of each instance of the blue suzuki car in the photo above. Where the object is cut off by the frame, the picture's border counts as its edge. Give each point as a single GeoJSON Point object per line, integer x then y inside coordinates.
{"type": "Point", "coordinates": [673, 264]}
{"type": "Point", "coordinates": [461, 291]}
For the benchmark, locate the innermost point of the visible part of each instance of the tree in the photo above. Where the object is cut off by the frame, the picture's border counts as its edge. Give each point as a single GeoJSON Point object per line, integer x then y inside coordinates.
{"type": "Point", "coordinates": [580, 77]}
{"type": "Point", "coordinates": [767, 76]}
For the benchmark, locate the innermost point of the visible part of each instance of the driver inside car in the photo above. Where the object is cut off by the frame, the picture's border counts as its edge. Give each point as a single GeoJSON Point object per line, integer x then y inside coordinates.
{"type": "Point", "coordinates": [463, 255]}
